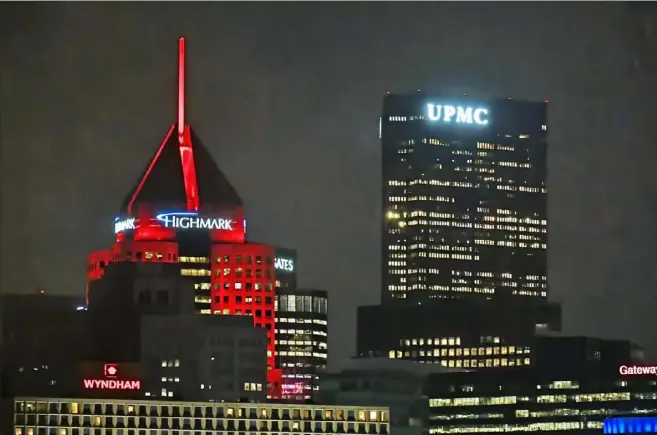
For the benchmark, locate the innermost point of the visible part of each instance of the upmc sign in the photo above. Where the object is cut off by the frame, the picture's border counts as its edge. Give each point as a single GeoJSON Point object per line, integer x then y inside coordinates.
{"type": "Point", "coordinates": [448, 114]}
{"type": "Point", "coordinates": [112, 380]}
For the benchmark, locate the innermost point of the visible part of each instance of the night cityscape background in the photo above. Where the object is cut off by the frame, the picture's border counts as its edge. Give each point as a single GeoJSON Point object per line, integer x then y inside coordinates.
{"type": "Point", "coordinates": [287, 97]}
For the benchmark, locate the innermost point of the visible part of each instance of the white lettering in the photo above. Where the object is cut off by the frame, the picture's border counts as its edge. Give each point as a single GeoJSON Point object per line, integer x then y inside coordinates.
{"type": "Point", "coordinates": [434, 112]}
{"type": "Point", "coordinates": [110, 384]}
{"type": "Point", "coordinates": [449, 112]}
{"type": "Point", "coordinates": [123, 225]}
{"type": "Point", "coordinates": [464, 115]}
{"type": "Point", "coordinates": [195, 222]}
{"type": "Point", "coordinates": [284, 264]}
{"type": "Point", "coordinates": [478, 116]}
{"type": "Point", "coordinates": [637, 370]}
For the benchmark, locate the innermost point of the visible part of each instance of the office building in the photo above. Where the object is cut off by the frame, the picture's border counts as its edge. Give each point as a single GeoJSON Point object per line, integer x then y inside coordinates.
{"type": "Point", "coordinates": [43, 335]}
{"type": "Point", "coordinates": [210, 358]}
{"type": "Point", "coordinates": [140, 315]}
{"type": "Point", "coordinates": [183, 210]}
{"type": "Point", "coordinates": [575, 397]}
{"type": "Point", "coordinates": [383, 382]}
{"type": "Point", "coordinates": [301, 340]}
{"type": "Point", "coordinates": [464, 199]}
{"type": "Point", "coordinates": [456, 333]}
{"type": "Point", "coordinates": [66, 416]}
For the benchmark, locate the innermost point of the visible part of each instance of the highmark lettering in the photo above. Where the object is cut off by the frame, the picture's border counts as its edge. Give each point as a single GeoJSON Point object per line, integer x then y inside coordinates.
{"type": "Point", "coordinates": [124, 225]}
{"type": "Point", "coordinates": [284, 264]}
{"type": "Point", "coordinates": [457, 114]}
{"type": "Point", "coordinates": [111, 384]}
{"type": "Point", "coordinates": [636, 370]}
{"type": "Point", "coordinates": [188, 220]}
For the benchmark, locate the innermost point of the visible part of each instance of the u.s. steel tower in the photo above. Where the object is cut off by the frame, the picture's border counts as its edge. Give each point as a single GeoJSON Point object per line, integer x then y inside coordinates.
{"type": "Point", "coordinates": [464, 198]}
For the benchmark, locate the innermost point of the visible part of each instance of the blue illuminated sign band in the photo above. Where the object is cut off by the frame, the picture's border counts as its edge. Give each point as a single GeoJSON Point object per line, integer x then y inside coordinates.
{"type": "Point", "coordinates": [629, 425]}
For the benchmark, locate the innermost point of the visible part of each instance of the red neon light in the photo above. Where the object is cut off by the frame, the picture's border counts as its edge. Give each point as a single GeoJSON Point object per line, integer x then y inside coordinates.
{"type": "Point", "coordinates": [189, 170]}
{"type": "Point", "coordinates": [111, 384]}
{"type": "Point", "coordinates": [181, 88]}
{"type": "Point", "coordinates": [150, 168]}
{"type": "Point", "coordinates": [185, 137]}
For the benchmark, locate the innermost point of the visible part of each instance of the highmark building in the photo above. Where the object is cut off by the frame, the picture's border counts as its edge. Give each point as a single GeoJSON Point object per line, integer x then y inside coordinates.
{"type": "Point", "coordinates": [64, 416]}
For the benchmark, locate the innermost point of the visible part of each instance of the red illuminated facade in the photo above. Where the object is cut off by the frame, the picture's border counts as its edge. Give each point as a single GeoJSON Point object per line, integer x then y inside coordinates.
{"type": "Point", "coordinates": [184, 210]}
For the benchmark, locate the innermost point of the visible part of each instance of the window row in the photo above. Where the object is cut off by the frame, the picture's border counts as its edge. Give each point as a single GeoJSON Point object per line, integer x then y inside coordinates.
{"type": "Point", "coordinates": [245, 259]}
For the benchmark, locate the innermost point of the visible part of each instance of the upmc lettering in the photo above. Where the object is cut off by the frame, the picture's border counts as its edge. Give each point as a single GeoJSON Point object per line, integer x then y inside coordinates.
{"type": "Point", "coordinates": [111, 384]}
{"type": "Point", "coordinates": [185, 222]}
{"type": "Point", "coordinates": [457, 114]}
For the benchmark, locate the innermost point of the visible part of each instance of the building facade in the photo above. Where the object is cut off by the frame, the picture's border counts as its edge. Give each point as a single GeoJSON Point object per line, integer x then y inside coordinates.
{"type": "Point", "coordinates": [301, 340]}
{"type": "Point", "coordinates": [518, 402]}
{"type": "Point", "coordinates": [591, 383]}
{"type": "Point", "coordinates": [212, 358]}
{"type": "Point", "coordinates": [183, 210]}
{"type": "Point", "coordinates": [468, 334]}
{"type": "Point", "coordinates": [382, 382]}
{"type": "Point", "coordinates": [464, 199]}
{"type": "Point", "coordinates": [61, 416]}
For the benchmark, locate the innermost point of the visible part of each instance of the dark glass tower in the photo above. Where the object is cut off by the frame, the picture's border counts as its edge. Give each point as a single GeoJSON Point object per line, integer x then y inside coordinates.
{"type": "Point", "coordinates": [464, 199]}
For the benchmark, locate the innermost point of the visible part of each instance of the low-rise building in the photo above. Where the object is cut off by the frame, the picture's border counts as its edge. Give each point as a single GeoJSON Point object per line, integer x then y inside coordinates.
{"type": "Point", "coordinates": [396, 384]}
{"type": "Point", "coordinates": [576, 383]}
{"type": "Point", "coordinates": [64, 416]}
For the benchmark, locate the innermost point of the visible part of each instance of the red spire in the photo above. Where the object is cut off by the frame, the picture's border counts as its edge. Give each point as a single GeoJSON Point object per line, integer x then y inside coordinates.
{"type": "Point", "coordinates": [181, 88]}
{"type": "Point", "coordinates": [184, 136]}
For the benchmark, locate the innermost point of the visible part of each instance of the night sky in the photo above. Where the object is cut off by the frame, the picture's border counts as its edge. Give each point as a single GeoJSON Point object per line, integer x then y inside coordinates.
{"type": "Point", "coordinates": [287, 97]}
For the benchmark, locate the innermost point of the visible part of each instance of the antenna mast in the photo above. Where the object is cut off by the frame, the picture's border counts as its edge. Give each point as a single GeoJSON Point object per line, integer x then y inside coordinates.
{"type": "Point", "coordinates": [181, 89]}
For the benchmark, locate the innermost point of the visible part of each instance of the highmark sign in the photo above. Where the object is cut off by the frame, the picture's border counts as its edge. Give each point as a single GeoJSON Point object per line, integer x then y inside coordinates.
{"type": "Point", "coordinates": [180, 220]}
{"type": "Point", "coordinates": [448, 114]}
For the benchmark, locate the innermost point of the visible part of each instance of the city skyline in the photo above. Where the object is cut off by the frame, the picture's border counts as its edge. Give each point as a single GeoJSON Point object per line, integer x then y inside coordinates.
{"type": "Point", "coordinates": [99, 100]}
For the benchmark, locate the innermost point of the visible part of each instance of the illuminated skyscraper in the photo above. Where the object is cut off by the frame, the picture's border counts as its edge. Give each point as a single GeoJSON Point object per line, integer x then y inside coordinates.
{"type": "Point", "coordinates": [301, 340]}
{"type": "Point", "coordinates": [464, 199]}
{"type": "Point", "coordinates": [183, 210]}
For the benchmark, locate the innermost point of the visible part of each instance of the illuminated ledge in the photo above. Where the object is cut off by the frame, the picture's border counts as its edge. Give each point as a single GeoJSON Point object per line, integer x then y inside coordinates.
{"type": "Point", "coordinates": [628, 425]}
